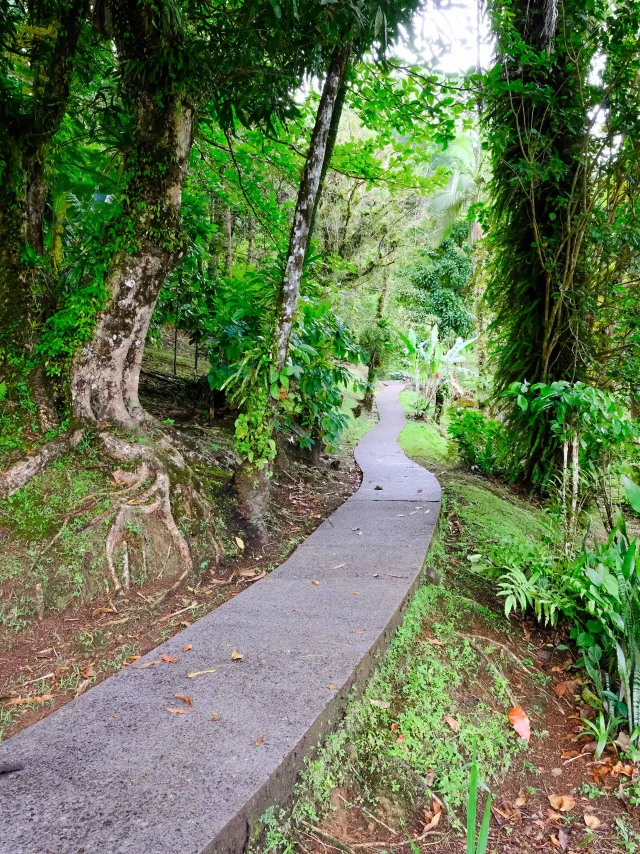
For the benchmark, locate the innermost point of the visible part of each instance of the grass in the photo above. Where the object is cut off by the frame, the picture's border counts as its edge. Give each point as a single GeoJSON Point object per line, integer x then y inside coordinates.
{"type": "Point", "coordinates": [423, 441]}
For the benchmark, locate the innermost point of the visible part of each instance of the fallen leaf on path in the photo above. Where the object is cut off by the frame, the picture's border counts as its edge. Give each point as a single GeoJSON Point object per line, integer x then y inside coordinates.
{"type": "Point", "coordinates": [147, 664]}
{"type": "Point", "coordinates": [186, 699]}
{"type": "Point", "coordinates": [560, 689]}
{"type": "Point", "coordinates": [453, 723]}
{"type": "Point", "coordinates": [592, 821]}
{"type": "Point", "coordinates": [259, 741]}
{"type": "Point", "coordinates": [240, 543]}
{"type": "Point", "coordinates": [177, 711]}
{"type": "Point", "coordinates": [338, 566]}
{"type": "Point", "coordinates": [20, 701]}
{"type": "Point", "coordinates": [562, 803]}
{"type": "Point", "coordinates": [432, 820]}
{"type": "Point", "coordinates": [380, 704]}
{"type": "Point", "coordinates": [520, 722]}
{"type": "Point", "coordinates": [521, 800]}
{"type": "Point", "coordinates": [88, 672]}
{"type": "Point", "coordinates": [170, 658]}
{"type": "Point", "coordinates": [236, 656]}
{"type": "Point", "coordinates": [82, 687]}
{"type": "Point", "coordinates": [187, 647]}
{"type": "Point", "coordinates": [332, 687]}
{"type": "Point", "coordinates": [315, 582]}
{"type": "Point", "coordinates": [201, 673]}
{"type": "Point", "coordinates": [435, 641]}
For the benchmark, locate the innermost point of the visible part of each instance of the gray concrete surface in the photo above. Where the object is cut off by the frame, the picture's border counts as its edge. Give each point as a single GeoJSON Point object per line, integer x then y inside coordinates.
{"type": "Point", "coordinates": [114, 773]}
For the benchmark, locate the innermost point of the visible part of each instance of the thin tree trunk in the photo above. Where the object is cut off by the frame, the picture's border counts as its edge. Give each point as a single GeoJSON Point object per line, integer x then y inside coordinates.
{"type": "Point", "coordinates": [249, 241]}
{"type": "Point", "coordinates": [175, 350]}
{"type": "Point", "coordinates": [332, 138]}
{"type": "Point", "coordinates": [307, 194]}
{"type": "Point", "coordinates": [228, 233]}
{"type": "Point", "coordinates": [252, 486]}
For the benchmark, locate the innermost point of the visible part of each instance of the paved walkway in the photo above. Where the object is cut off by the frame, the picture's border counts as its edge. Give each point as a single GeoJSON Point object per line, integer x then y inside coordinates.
{"type": "Point", "coordinates": [113, 772]}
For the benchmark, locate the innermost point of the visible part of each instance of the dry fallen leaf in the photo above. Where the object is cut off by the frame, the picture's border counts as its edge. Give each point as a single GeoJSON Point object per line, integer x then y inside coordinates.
{"type": "Point", "coordinates": [338, 566]}
{"type": "Point", "coordinates": [521, 800]}
{"type": "Point", "coordinates": [201, 672]}
{"type": "Point", "coordinates": [380, 704]}
{"type": "Point", "coordinates": [564, 836]}
{"type": "Point", "coordinates": [592, 821]}
{"type": "Point", "coordinates": [20, 701]}
{"type": "Point", "coordinates": [103, 611]}
{"type": "Point", "coordinates": [315, 582]}
{"type": "Point", "coordinates": [187, 647]}
{"type": "Point", "coordinates": [186, 699]}
{"type": "Point", "coordinates": [332, 687]}
{"type": "Point", "coordinates": [520, 722]}
{"type": "Point", "coordinates": [560, 689]}
{"type": "Point", "coordinates": [240, 543]}
{"type": "Point", "coordinates": [435, 641]}
{"type": "Point", "coordinates": [434, 819]}
{"type": "Point", "coordinates": [147, 664]}
{"type": "Point", "coordinates": [82, 687]}
{"type": "Point", "coordinates": [88, 672]}
{"type": "Point", "coordinates": [177, 711]}
{"type": "Point", "coordinates": [400, 738]}
{"type": "Point", "coordinates": [236, 656]}
{"type": "Point", "coordinates": [453, 723]}
{"type": "Point", "coordinates": [562, 803]}
{"type": "Point", "coordinates": [170, 658]}
{"type": "Point", "coordinates": [260, 740]}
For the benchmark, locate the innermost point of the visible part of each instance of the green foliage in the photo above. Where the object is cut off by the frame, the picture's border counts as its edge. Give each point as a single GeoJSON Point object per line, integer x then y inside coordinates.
{"type": "Point", "coordinates": [480, 441]}
{"type": "Point", "coordinates": [438, 285]}
{"type": "Point", "coordinates": [479, 845]}
{"type": "Point", "coordinates": [579, 433]}
{"type": "Point", "coordinates": [597, 594]}
{"type": "Point", "coordinates": [560, 234]}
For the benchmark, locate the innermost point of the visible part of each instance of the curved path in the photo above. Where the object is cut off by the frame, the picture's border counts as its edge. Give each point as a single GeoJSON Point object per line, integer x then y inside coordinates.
{"type": "Point", "coordinates": [114, 773]}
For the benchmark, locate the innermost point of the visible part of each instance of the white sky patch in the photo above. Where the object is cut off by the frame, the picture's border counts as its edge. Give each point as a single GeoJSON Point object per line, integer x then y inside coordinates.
{"type": "Point", "coordinates": [453, 34]}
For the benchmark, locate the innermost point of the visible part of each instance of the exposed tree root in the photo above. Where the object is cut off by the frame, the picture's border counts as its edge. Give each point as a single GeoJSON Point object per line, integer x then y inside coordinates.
{"type": "Point", "coordinates": [20, 473]}
{"type": "Point", "coordinates": [153, 502]}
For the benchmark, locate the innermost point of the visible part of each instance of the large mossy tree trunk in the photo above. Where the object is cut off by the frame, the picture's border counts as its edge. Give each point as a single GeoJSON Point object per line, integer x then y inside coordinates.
{"type": "Point", "coordinates": [254, 499]}
{"type": "Point", "coordinates": [147, 240]}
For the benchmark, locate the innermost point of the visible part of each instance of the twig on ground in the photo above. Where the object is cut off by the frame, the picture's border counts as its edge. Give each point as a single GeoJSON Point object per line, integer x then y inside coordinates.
{"type": "Point", "coordinates": [504, 649]}
{"type": "Point", "coordinates": [370, 815]}
{"type": "Point", "coordinates": [497, 672]}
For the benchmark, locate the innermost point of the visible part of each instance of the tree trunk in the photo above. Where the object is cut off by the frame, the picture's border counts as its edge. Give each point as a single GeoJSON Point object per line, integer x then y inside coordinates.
{"type": "Point", "coordinates": [228, 233]}
{"type": "Point", "coordinates": [252, 486]}
{"type": "Point", "coordinates": [36, 200]}
{"type": "Point", "coordinates": [307, 195]}
{"type": "Point", "coordinates": [439, 404]}
{"type": "Point", "coordinates": [249, 241]}
{"type": "Point", "coordinates": [104, 385]}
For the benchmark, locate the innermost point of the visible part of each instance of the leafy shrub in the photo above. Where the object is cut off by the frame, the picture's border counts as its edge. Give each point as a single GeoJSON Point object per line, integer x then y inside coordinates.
{"type": "Point", "coordinates": [479, 440]}
{"type": "Point", "coordinates": [597, 592]}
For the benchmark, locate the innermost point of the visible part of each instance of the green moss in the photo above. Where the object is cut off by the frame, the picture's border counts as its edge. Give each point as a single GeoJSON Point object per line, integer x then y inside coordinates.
{"type": "Point", "coordinates": [490, 516]}
{"type": "Point", "coordinates": [422, 441]}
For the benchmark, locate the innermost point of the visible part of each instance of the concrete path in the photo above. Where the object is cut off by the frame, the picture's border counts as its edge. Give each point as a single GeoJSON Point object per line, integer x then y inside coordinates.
{"type": "Point", "coordinates": [113, 772]}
